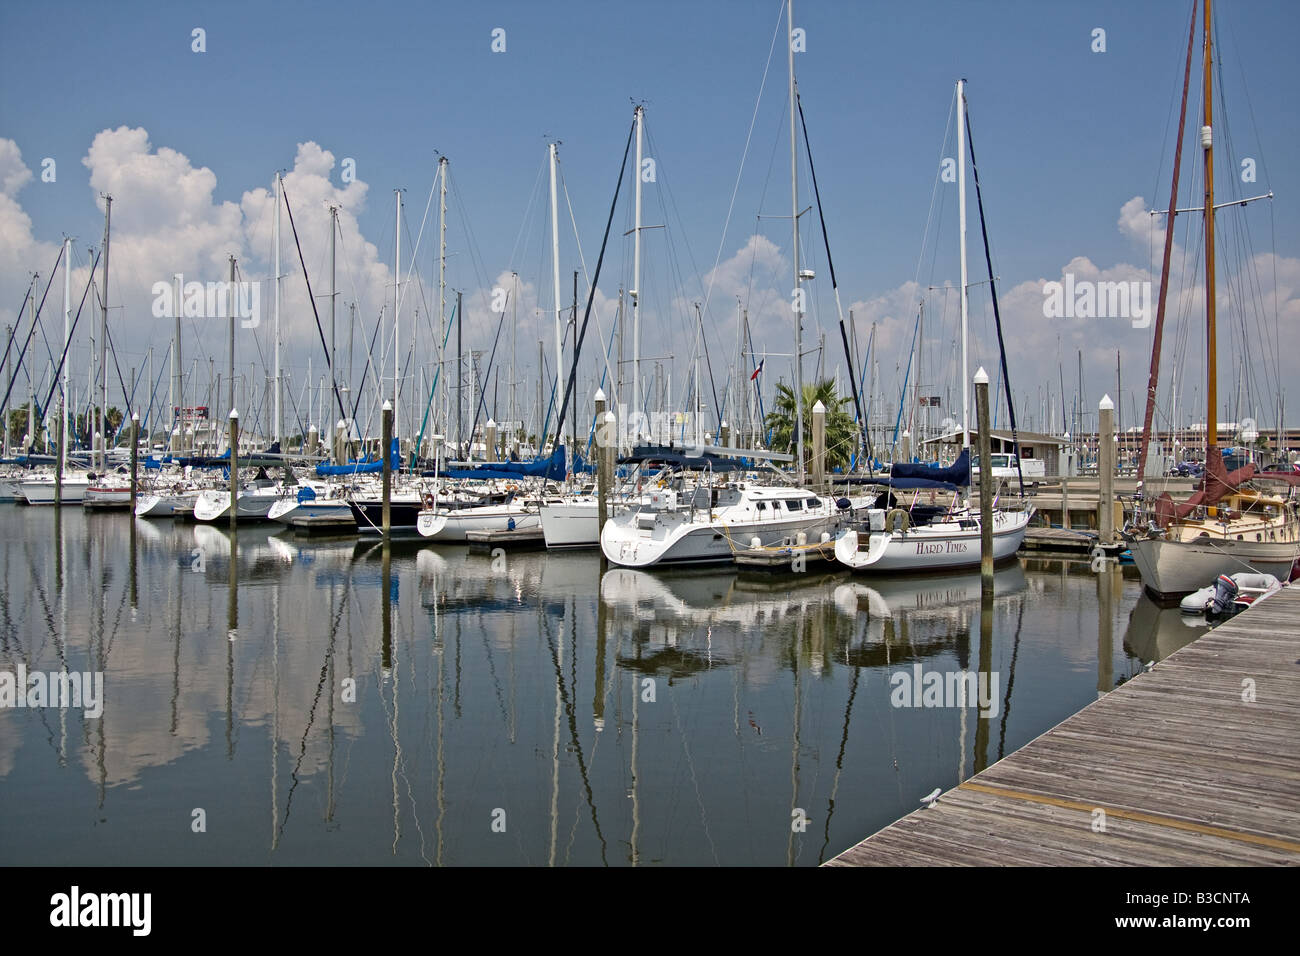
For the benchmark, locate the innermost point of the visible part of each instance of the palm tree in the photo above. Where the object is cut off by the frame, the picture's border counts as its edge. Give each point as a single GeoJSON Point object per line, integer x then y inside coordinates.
{"type": "Point", "coordinates": [841, 432]}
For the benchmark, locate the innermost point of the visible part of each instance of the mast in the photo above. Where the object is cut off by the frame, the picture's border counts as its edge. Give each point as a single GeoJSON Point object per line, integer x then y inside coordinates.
{"type": "Point", "coordinates": [555, 275]}
{"type": "Point", "coordinates": [961, 219]}
{"type": "Point", "coordinates": [397, 323]}
{"type": "Point", "coordinates": [334, 355]}
{"type": "Point", "coordinates": [794, 224]}
{"type": "Point", "coordinates": [278, 411]}
{"type": "Point", "coordinates": [1207, 144]}
{"type": "Point", "coordinates": [442, 282]}
{"type": "Point", "coordinates": [102, 449]}
{"type": "Point", "coordinates": [635, 291]}
{"type": "Point", "coordinates": [176, 392]}
{"type": "Point", "coordinates": [230, 307]}
{"type": "Point", "coordinates": [67, 334]}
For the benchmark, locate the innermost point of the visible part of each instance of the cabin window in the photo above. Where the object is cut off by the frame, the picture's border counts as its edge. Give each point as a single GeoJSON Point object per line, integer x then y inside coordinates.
{"type": "Point", "coordinates": [793, 505]}
{"type": "Point", "coordinates": [761, 505]}
{"type": "Point", "coordinates": [814, 503]}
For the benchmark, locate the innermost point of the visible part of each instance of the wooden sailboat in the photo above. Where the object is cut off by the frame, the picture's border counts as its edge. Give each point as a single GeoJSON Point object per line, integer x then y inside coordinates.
{"type": "Point", "coordinates": [1224, 527]}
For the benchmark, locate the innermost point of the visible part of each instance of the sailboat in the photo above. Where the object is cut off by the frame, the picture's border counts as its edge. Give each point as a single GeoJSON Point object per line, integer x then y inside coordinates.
{"type": "Point", "coordinates": [1224, 527]}
{"type": "Point", "coordinates": [934, 537]}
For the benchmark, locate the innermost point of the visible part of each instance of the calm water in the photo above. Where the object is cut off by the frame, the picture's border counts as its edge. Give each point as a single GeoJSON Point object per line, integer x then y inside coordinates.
{"type": "Point", "coordinates": [322, 703]}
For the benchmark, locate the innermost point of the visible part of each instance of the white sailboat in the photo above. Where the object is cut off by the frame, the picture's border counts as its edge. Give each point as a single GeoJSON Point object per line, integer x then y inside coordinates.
{"type": "Point", "coordinates": [945, 538]}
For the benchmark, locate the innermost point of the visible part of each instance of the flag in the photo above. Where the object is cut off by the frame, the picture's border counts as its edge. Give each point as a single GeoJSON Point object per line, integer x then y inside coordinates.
{"type": "Point", "coordinates": [757, 370]}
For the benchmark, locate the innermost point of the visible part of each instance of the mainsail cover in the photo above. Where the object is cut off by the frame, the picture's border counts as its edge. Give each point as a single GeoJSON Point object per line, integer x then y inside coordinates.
{"type": "Point", "coordinates": [1217, 483]}
{"type": "Point", "coordinates": [906, 475]}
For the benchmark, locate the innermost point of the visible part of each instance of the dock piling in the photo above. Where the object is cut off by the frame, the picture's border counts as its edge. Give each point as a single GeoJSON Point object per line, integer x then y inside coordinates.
{"type": "Point", "coordinates": [985, 452]}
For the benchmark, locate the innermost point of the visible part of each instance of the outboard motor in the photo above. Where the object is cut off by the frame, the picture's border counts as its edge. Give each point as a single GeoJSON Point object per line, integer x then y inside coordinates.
{"type": "Point", "coordinates": [1225, 593]}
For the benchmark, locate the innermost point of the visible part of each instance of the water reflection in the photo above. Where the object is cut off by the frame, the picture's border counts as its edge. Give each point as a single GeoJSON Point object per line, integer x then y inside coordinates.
{"type": "Point", "coordinates": [436, 706]}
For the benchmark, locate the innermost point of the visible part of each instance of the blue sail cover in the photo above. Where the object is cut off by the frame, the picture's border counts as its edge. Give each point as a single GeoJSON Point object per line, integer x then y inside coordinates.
{"type": "Point", "coordinates": [907, 476]}
{"type": "Point", "coordinates": [551, 469]}
{"type": "Point", "coordinates": [360, 466]}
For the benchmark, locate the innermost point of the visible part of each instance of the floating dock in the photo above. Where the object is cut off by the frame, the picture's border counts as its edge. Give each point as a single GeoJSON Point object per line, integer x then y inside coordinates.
{"type": "Point", "coordinates": [343, 524]}
{"type": "Point", "coordinates": [520, 539]}
{"type": "Point", "coordinates": [1194, 763]}
{"type": "Point", "coordinates": [1067, 541]}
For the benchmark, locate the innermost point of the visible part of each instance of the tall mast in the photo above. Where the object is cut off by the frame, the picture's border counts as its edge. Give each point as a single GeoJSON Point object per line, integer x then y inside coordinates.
{"type": "Point", "coordinates": [278, 410]}
{"type": "Point", "coordinates": [961, 219]}
{"type": "Point", "coordinates": [442, 280]}
{"type": "Point", "coordinates": [103, 345]}
{"type": "Point", "coordinates": [397, 323]}
{"type": "Point", "coordinates": [230, 307]}
{"type": "Point", "coordinates": [794, 224]}
{"type": "Point", "coordinates": [635, 291]}
{"type": "Point", "coordinates": [67, 334]}
{"type": "Point", "coordinates": [334, 355]}
{"type": "Point", "coordinates": [1207, 144]}
{"type": "Point", "coordinates": [555, 275]}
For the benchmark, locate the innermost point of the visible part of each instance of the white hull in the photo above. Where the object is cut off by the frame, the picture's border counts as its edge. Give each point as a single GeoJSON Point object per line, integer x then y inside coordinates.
{"type": "Point", "coordinates": [107, 497]}
{"type": "Point", "coordinates": [286, 509]}
{"type": "Point", "coordinates": [41, 491]}
{"type": "Point", "coordinates": [938, 546]}
{"type": "Point", "coordinates": [674, 539]}
{"type": "Point", "coordinates": [1174, 568]}
{"type": "Point", "coordinates": [164, 505]}
{"type": "Point", "coordinates": [571, 524]}
{"type": "Point", "coordinates": [215, 505]}
{"type": "Point", "coordinates": [454, 525]}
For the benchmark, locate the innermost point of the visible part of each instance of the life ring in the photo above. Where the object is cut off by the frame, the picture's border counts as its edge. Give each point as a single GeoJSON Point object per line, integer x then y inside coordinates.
{"type": "Point", "coordinates": [898, 519]}
{"type": "Point", "coordinates": [428, 501]}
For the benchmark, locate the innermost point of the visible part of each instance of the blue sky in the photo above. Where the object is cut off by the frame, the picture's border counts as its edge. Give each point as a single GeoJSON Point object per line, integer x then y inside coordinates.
{"type": "Point", "coordinates": [1065, 136]}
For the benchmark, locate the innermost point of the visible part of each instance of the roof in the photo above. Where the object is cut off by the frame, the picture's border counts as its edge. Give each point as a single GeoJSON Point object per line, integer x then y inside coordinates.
{"type": "Point", "coordinates": [1026, 438]}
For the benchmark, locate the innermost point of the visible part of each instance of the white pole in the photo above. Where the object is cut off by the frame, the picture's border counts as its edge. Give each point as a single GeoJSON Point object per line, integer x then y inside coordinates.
{"type": "Point", "coordinates": [397, 324]}
{"type": "Point", "coordinates": [794, 220]}
{"type": "Point", "coordinates": [67, 334]}
{"type": "Point", "coordinates": [635, 291]}
{"type": "Point", "coordinates": [555, 272]}
{"type": "Point", "coordinates": [278, 410]}
{"type": "Point", "coordinates": [961, 218]}
{"type": "Point", "coordinates": [442, 287]}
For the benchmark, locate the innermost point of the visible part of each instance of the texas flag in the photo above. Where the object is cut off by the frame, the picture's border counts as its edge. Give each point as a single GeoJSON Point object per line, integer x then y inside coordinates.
{"type": "Point", "coordinates": [757, 370]}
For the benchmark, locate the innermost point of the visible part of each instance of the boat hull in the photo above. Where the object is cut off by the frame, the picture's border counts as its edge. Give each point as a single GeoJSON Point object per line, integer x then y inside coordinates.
{"type": "Point", "coordinates": [942, 546]}
{"type": "Point", "coordinates": [41, 492]}
{"type": "Point", "coordinates": [454, 526]}
{"type": "Point", "coordinates": [674, 539]}
{"type": "Point", "coordinates": [1173, 569]}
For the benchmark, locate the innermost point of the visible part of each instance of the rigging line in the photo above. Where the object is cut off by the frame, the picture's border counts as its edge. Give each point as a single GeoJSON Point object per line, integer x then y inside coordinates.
{"type": "Point", "coordinates": [591, 295]}
{"type": "Point", "coordinates": [713, 273]}
{"type": "Point", "coordinates": [35, 321]}
{"type": "Point", "coordinates": [997, 314]}
{"type": "Point", "coordinates": [71, 331]}
{"type": "Point", "coordinates": [311, 299]}
{"type": "Point", "coordinates": [600, 327]}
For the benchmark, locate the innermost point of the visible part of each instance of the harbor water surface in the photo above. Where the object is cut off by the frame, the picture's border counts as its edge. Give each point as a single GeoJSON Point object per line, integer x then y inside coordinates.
{"type": "Point", "coordinates": [271, 700]}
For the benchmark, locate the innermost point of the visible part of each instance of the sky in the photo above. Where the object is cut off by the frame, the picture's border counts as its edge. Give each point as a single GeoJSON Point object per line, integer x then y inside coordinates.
{"type": "Point", "coordinates": [1074, 130]}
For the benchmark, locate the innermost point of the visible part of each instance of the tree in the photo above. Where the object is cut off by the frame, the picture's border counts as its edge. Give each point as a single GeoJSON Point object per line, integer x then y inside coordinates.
{"type": "Point", "coordinates": [841, 432]}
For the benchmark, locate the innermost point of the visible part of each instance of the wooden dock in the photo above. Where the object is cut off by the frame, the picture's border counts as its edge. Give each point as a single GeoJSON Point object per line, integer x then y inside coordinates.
{"type": "Point", "coordinates": [1066, 541]}
{"type": "Point", "coordinates": [339, 524]}
{"type": "Point", "coordinates": [520, 539]}
{"type": "Point", "coordinates": [1185, 769]}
